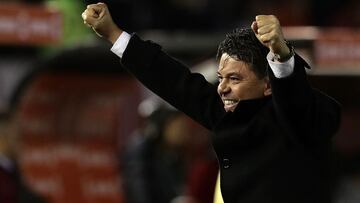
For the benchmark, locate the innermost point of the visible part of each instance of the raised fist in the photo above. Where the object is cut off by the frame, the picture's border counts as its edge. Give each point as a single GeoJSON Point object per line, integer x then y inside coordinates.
{"type": "Point", "coordinates": [98, 17]}
{"type": "Point", "coordinates": [268, 31]}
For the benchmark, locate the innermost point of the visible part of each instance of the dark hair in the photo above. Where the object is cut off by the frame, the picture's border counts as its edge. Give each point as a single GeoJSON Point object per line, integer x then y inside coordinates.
{"type": "Point", "coordinates": [242, 44]}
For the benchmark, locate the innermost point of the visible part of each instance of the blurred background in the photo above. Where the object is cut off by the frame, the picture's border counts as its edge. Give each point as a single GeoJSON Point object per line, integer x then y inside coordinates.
{"type": "Point", "coordinates": [75, 127]}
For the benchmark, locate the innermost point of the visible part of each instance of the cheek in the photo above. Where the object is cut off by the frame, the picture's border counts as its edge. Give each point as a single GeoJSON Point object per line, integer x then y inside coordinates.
{"type": "Point", "coordinates": [240, 90]}
{"type": "Point", "coordinates": [247, 91]}
{"type": "Point", "coordinates": [258, 91]}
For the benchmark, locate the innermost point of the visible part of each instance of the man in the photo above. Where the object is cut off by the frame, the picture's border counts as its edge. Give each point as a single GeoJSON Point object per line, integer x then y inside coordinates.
{"type": "Point", "coordinates": [272, 131]}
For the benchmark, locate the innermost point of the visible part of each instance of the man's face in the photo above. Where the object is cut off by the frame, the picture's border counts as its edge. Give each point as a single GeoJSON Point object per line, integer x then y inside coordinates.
{"type": "Point", "coordinates": [238, 82]}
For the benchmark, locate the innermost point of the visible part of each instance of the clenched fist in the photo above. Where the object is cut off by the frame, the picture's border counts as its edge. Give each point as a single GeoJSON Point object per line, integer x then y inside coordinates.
{"type": "Point", "coordinates": [268, 30]}
{"type": "Point", "coordinates": [98, 17]}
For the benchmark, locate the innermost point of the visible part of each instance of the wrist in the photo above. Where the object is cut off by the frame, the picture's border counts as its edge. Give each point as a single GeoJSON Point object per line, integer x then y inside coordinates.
{"type": "Point", "coordinates": [286, 54]}
{"type": "Point", "coordinates": [114, 35]}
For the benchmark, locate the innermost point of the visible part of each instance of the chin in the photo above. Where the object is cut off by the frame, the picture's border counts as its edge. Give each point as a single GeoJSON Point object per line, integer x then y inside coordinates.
{"type": "Point", "coordinates": [230, 109]}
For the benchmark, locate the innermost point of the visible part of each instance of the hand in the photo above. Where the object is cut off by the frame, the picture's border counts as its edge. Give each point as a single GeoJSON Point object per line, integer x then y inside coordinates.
{"type": "Point", "coordinates": [268, 31]}
{"type": "Point", "coordinates": [97, 16]}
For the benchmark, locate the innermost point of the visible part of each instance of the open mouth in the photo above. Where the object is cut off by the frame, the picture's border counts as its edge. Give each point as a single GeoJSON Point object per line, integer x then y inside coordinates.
{"type": "Point", "coordinates": [230, 104]}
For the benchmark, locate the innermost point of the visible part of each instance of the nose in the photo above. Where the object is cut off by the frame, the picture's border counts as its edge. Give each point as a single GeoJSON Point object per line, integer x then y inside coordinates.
{"type": "Point", "coordinates": [223, 87]}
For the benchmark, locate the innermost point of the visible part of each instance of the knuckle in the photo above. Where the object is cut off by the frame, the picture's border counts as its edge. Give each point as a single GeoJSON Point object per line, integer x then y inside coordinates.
{"type": "Point", "coordinates": [273, 27]}
{"type": "Point", "coordinates": [275, 35]}
{"type": "Point", "coordinates": [273, 17]}
{"type": "Point", "coordinates": [259, 17]}
{"type": "Point", "coordinates": [263, 37]}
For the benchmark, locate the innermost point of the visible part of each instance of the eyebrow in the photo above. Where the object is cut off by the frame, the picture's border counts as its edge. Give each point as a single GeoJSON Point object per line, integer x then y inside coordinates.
{"type": "Point", "coordinates": [229, 74]}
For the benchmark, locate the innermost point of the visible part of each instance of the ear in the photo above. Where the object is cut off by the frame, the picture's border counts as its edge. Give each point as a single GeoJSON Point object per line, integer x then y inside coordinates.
{"type": "Point", "coordinates": [267, 87]}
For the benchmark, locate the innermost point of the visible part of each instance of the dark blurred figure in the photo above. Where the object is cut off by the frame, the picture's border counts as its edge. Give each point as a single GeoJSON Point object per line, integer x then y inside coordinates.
{"type": "Point", "coordinates": [154, 164]}
{"type": "Point", "coordinates": [13, 189]}
{"type": "Point", "coordinates": [159, 165]}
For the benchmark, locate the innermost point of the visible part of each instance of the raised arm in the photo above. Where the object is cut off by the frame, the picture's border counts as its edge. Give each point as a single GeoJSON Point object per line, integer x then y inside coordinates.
{"type": "Point", "coordinates": [308, 112]}
{"type": "Point", "coordinates": [162, 74]}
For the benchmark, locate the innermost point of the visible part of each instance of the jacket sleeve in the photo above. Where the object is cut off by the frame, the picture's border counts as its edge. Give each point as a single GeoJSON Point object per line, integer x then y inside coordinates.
{"type": "Point", "coordinates": [172, 81]}
{"type": "Point", "coordinates": [307, 113]}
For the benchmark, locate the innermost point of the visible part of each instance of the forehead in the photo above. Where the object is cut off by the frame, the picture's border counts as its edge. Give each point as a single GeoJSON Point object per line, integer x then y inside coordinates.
{"type": "Point", "coordinates": [230, 64]}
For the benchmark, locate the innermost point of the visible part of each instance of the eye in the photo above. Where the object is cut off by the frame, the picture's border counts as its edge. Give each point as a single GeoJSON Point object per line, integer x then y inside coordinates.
{"type": "Point", "coordinates": [220, 78]}
{"type": "Point", "coordinates": [232, 78]}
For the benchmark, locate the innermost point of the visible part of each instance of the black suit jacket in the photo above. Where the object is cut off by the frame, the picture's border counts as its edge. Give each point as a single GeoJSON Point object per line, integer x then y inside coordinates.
{"type": "Point", "coordinates": [272, 149]}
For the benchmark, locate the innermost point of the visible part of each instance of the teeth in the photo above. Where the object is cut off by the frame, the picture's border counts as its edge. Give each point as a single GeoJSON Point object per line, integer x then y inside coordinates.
{"type": "Point", "coordinates": [229, 102]}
